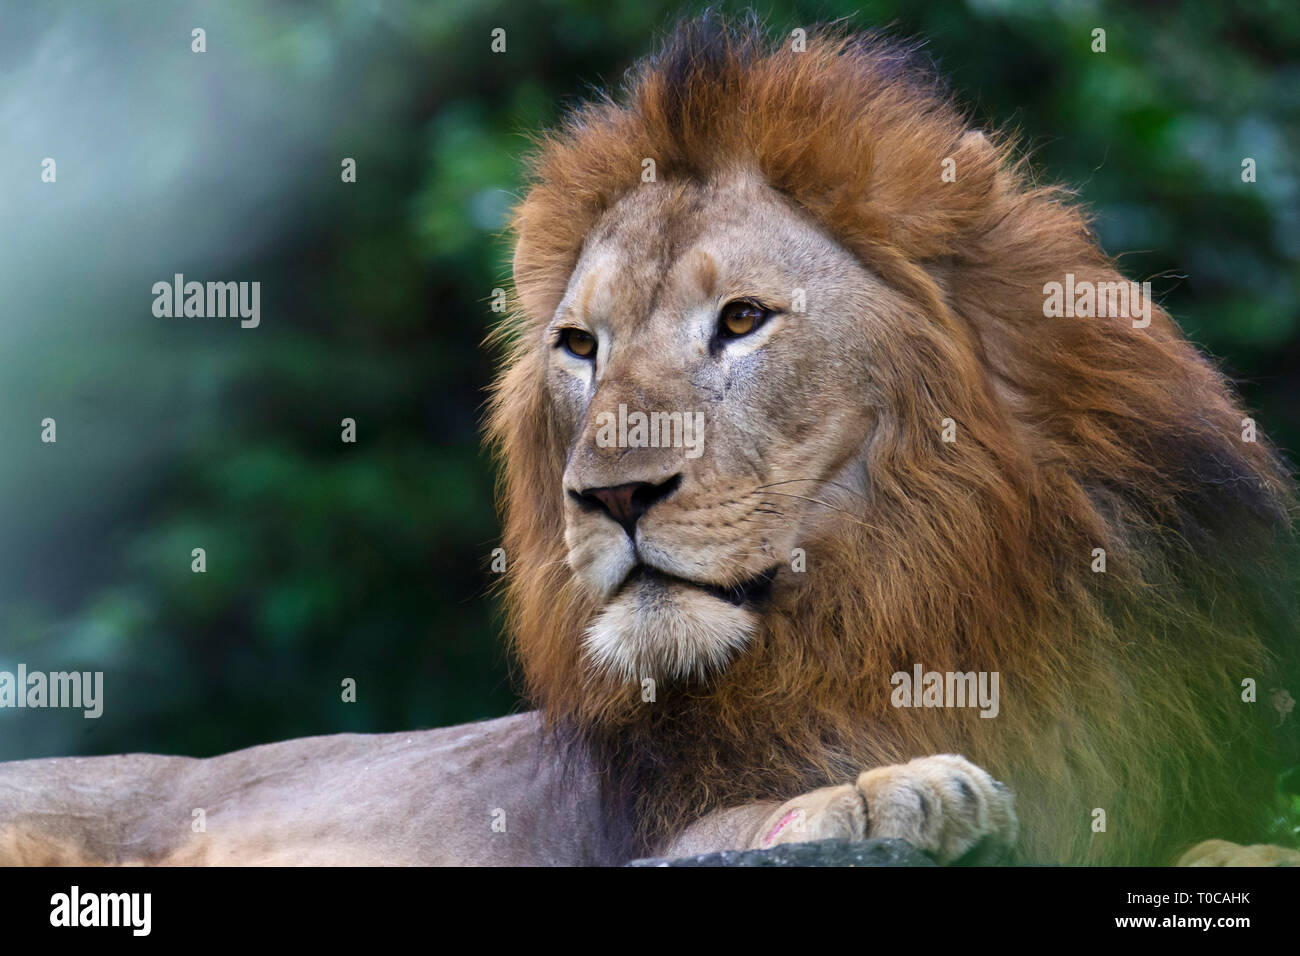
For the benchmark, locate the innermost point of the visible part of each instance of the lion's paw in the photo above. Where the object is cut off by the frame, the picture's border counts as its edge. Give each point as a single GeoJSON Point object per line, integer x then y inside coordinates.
{"type": "Point", "coordinates": [944, 805]}
{"type": "Point", "coordinates": [1223, 853]}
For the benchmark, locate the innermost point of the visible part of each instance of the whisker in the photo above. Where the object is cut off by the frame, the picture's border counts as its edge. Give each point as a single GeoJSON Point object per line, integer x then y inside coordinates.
{"type": "Point", "coordinates": [826, 504]}
{"type": "Point", "coordinates": [824, 481]}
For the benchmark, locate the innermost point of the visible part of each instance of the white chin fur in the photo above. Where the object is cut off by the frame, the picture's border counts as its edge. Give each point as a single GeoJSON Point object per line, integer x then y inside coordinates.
{"type": "Point", "coordinates": [667, 631]}
{"type": "Point", "coordinates": [599, 563]}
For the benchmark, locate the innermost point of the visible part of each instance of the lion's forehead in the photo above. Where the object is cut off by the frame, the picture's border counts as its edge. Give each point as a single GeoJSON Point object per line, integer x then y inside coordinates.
{"type": "Point", "coordinates": [664, 247]}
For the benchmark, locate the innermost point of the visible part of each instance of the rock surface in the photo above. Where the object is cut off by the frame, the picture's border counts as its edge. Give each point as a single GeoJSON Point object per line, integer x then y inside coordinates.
{"type": "Point", "coordinates": [819, 853]}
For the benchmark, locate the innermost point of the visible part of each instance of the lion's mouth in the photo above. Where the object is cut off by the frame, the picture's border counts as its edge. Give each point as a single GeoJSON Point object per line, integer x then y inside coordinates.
{"type": "Point", "coordinates": [755, 590]}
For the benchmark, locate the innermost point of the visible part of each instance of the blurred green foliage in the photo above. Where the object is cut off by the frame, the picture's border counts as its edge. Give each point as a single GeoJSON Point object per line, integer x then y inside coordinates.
{"type": "Point", "coordinates": [329, 560]}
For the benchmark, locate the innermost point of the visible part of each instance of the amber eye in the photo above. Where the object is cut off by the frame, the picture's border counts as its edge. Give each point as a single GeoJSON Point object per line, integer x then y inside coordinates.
{"type": "Point", "coordinates": [740, 318]}
{"type": "Point", "coordinates": [579, 343]}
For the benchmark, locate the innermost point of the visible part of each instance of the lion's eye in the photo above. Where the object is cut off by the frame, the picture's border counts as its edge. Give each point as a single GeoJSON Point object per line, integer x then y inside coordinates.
{"type": "Point", "coordinates": [577, 342]}
{"type": "Point", "coordinates": [740, 318]}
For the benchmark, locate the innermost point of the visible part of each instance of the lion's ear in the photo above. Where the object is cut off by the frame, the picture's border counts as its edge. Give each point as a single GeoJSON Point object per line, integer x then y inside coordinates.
{"type": "Point", "coordinates": [531, 288]}
{"type": "Point", "coordinates": [549, 229]}
{"type": "Point", "coordinates": [978, 158]}
{"type": "Point", "coordinates": [979, 179]}
{"type": "Point", "coordinates": [931, 190]}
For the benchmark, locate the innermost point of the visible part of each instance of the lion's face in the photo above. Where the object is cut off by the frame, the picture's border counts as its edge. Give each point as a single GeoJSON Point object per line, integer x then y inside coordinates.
{"type": "Point", "coordinates": [718, 306]}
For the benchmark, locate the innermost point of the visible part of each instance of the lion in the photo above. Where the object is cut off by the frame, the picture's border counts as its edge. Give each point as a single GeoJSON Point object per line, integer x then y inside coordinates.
{"type": "Point", "coordinates": [785, 426]}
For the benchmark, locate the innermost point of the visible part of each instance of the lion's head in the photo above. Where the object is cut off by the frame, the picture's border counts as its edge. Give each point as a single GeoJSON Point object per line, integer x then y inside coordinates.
{"type": "Point", "coordinates": [861, 446]}
{"type": "Point", "coordinates": [686, 307]}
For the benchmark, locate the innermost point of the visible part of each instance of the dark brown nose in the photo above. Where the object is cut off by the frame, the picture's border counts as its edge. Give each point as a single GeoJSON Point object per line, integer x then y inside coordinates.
{"type": "Point", "coordinates": [627, 503]}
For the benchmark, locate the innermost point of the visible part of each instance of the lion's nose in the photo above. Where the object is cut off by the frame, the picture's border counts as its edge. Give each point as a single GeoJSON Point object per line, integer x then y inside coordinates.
{"type": "Point", "coordinates": [627, 503]}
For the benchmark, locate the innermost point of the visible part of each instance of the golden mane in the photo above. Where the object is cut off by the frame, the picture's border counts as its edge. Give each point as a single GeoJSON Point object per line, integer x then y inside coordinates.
{"type": "Point", "coordinates": [1120, 690]}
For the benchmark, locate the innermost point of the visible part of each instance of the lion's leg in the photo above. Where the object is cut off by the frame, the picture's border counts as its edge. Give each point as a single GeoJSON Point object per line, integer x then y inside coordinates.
{"type": "Point", "coordinates": [944, 805]}
{"type": "Point", "coordinates": [1223, 853]}
{"type": "Point", "coordinates": [484, 793]}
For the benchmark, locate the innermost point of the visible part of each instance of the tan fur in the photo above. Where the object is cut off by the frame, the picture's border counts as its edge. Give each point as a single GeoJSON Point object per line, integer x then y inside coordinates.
{"type": "Point", "coordinates": [1223, 853]}
{"type": "Point", "coordinates": [418, 798]}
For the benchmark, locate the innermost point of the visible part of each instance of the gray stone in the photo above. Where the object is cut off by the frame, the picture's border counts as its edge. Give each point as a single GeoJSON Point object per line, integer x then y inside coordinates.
{"type": "Point", "coordinates": [819, 853]}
